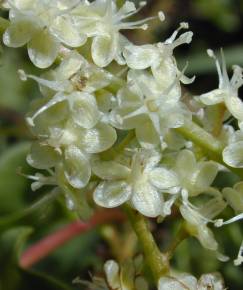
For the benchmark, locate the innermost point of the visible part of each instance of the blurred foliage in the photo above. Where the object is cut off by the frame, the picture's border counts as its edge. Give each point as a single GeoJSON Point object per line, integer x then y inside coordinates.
{"type": "Point", "coordinates": [216, 23]}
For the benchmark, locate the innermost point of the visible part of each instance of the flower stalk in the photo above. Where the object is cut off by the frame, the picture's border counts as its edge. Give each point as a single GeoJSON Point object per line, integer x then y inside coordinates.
{"type": "Point", "coordinates": [157, 262]}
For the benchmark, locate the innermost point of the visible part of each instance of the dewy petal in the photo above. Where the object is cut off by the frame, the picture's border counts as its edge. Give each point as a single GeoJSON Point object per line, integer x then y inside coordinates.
{"type": "Point", "coordinates": [147, 135]}
{"type": "Point", "coordinates": [185, 163]}
{"type": "Point", "coordinates": [234, 105]}
{"type": "Point", "coordinates": [163, 178]}
{"type": "Point", "coordinates": [111, 194]}
{"type": "Point", "coordinates": [69, 66]}
{"type": "Point", "coordinates": [84, 109]}
{"type": "Point", "coordinates": [66, 32]}
{"type": "Point", "coordinates": [110, 170]}
{"type": "Point", "coordinates": [213, 97]}
{"type": "Point", "coordinates": [98, 139]}
{"type": "Point", "coordinates": [171, 283]}
{"type": "Point", "coordinates": [140, 57]}
{"type": "Point", "coordinates": [147, 200]}
{"type": "Point", "coordinates": [42, 156]}
{"type": "Point", "coordinates": [76, 167]}
{"type": "Point", "coordinates": [24, 4]}
{"type": "Point", "coordinates": [234, 198]}
{"type": "Point", "coordinates": [103, 50]}
{"type": "Point", "coordinates": [111, 269]}
{"type": "Point", "coordinates": [233, 155]}
{"type": "Point", "coordinates": [19, 33]}
{"type": "Point", "coordinates": [43, 49]}
{"type": "Point", "coordinates": [211, 281]}
{"type": "Point", "coordinates": [206, 238]}
{"type": "Point", "coordinates": [205, 177]}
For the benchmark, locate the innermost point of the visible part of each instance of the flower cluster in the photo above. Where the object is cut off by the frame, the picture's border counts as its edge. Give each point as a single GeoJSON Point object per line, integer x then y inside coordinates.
{"type": "Point", "coordinates": [120, 136]}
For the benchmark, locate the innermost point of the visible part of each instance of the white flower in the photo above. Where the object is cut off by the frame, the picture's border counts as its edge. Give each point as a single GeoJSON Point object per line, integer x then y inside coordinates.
{"type": "Point", "coordinates": [147, 107]}
{"type": "Point", "coordinates": [71, 145]}
{"type": "Point", "coordinates": [73, 81]}
{"type": "Point", "coordinates": [194, 177]}
{"type": "Point", "coordinates": [103, 21]}
{"type": "Point", "coordinates": [198, 218]}
{"type": "Point", "coordinates": [143, 183]}
{"type": "Point", "coordinates": [184, 281]}
{"type": "Point", "coordinates": [159, 57]}
{"type": "Point", "coordinates": [227, 91]}
{"type": "Point", "coordinates": [43, 26]}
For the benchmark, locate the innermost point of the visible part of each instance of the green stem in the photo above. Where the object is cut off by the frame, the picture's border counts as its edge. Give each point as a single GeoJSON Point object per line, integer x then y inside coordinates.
{"type": "Point", "coordinates": [157, 262]}
{"type": "Point", "coordinates": [211, 146]}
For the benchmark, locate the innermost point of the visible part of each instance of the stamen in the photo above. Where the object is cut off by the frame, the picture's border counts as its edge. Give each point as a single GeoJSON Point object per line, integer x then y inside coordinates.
{"type": "Point", "coordinates": [183, 25]}
{"type": "Point", "coordinates": [220, 222]}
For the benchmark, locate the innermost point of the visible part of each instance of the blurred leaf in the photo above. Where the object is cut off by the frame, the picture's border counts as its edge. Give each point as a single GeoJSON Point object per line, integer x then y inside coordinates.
{"type": "Point", "coordinates": [11, 219]}
{"type": "Point", "coordinates": [12, 186]}
{"type": "Point", "coordinates": [11, 243]}
{"type": "Point", "coordinates": [221, 12]}
{"type": "Point", "coordinates": [201, 63]}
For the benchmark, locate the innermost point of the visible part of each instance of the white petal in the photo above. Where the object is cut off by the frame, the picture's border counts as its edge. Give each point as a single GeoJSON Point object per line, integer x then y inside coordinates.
{"type": "Point", "coordinates": [213, 97]}
{"type": "Point", "coordinates": [43, 49]}
{"type": "Point", "coordinates": [98, 139]}
{"type": "Point", "coordinates": [185, 163]}
{"type": "Point", "coordinates": [235, 106]}
{"type": "Point", "coordinates": [170, 283]}
{"type": "Point", "coordinates": [147, 135]}
{"type": "Point", "coordinates": [147, 200]}
{"type": "Point", "coordinates": [84, 109]}
{"type": "Point", "coordinates": [205, 176]}
{"type": "Point", "coordinates": [163, 179]}
{"type": "Point", "coordinates": [103, 50]}
{"type": "Point", "coordinates": [112, 193]}
{"type": "Point", "coordinates": [19, 33]}
{"type": "Point", "coordinates": [111, 269]}
{"type": "Point", "coordinates": [211, 281]}
{"type": "Point", "coordinates": [69, 66]}
{"type": "Point", "coordinates": [76, 167]}
{"type": "Point", "coordinates": [110, 170]}
{"type": "Point", "coordinates": [233, 155]}
{"type": "Point", "coordinates": [140, 57]}
{"type": "Point", "coordinates": [42, 156]}
{"type": "Point", "coordinates": [206, 238]}
{"type": "Point", "coordinates": [24, 4]}
{"type": "Point", "coordinates": [234, 199]}
{"type": "Point", "coordinates": [67, 33]}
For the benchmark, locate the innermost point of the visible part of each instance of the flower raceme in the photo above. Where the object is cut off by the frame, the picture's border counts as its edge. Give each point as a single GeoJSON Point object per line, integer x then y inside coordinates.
{"type": "Point", "coordinates": [120, 135]}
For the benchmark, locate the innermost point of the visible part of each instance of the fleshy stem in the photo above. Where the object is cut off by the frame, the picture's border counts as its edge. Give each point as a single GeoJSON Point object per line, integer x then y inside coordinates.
{"type": "Point", "coordinates": [157, 262]}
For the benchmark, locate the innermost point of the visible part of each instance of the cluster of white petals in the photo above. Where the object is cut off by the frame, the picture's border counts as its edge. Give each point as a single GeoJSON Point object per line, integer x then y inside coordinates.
{"type": "Point", "coordinates": [83, 120]}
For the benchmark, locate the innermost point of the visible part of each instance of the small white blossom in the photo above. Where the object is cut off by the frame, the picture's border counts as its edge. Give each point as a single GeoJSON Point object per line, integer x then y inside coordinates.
{"type": "Point", "coordinates": [43, 26]}
{"type": "Point", "coordinates": [73, 81]}
{"type": "Point", "coordinates": [147, 107]}
{"type": "Point", "coordinates": [227, 91]}
{"type": "Point", "coordinates": [103, 21]}
{"type": "Point", "coordinates": [194, 177]}
{"type": "Point", "coordinates": [198, 218]}
{"type": "Point", "coordinates": [159, 57]}
{"type": "Point", "coordinates": [143, 183]}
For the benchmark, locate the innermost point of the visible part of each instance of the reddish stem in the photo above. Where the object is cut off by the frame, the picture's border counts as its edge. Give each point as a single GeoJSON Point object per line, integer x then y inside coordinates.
{"type": "Point", "coordinates": [50, 243]}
